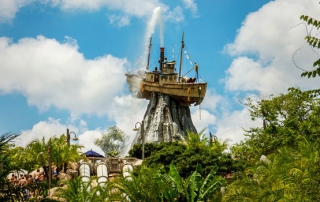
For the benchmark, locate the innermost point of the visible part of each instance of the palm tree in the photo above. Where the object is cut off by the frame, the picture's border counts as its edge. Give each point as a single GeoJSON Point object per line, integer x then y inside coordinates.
{"type": "Point", "coordinates": [37, 153]}
{"type": "Point", "coordinates": [6, 164]}
{"type": "Point", "coordinates": [61, 152]}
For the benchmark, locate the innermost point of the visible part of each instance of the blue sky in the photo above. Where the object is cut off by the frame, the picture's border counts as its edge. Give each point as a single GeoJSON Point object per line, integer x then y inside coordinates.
{"type": "Point", "coordinates": [62, 62]}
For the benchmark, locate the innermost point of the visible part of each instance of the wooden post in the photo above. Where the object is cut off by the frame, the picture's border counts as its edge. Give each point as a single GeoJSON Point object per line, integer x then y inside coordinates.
{"type": "Point", "coordinates": [142, 138]}
{"type": "Point", "coordinates": [68, 137]}
{"type": "Point", "coordinates": [50, 163]}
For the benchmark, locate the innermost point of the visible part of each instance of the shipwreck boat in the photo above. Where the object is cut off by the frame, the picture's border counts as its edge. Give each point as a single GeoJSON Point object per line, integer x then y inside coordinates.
{"type": "Point", "coordinates": [165, 80]}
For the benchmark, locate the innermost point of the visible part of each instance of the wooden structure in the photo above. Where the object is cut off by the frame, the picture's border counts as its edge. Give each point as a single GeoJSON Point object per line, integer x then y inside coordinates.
{"type": "Point", "coordinates": [186, 91]}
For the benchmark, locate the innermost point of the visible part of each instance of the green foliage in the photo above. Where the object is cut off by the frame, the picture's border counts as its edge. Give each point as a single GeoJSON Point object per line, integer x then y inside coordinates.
{"type": "Point", "coordinates": [6, 163]}
{"type": "Point", "coordinates": [36, 153]}
{"type": "Point", "coordinates": [289, 174]}
{"type": "Point", "coordinates": [173, 149]}
{"type": "Point", "coordinates": [186, 156]}
{"type": "Point", "coordinates": [112, 142]}
{"type": "Point", "coordinates": [143, 186]}
{"type": "Point", "coordinates": [79, 191]}
{"type": "Point", "coordinates": [289, 137]}
{"type": "Point", "coordinates": [154, 184]}
{"type": "Point", "coordinates": [286, 119]}
{"type": "Point", "coordinates": [314, 42]}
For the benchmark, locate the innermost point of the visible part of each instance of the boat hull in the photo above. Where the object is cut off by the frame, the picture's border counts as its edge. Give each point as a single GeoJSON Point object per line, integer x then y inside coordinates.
{"type": "Point", "coordinates": [185, 93]}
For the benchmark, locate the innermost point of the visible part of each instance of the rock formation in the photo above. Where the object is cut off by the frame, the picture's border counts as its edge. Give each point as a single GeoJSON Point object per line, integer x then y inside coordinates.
{"type": "Point", "coordinates": [165, 120]}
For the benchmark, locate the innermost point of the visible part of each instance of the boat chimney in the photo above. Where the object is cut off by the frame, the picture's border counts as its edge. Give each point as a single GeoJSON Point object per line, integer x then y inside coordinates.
{"type": "Point", "coordinates": [161, 57]}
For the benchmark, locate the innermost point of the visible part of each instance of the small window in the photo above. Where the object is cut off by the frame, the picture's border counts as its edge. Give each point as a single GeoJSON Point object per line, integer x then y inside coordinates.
{"type": "Point", "coordinates": [151, 76]}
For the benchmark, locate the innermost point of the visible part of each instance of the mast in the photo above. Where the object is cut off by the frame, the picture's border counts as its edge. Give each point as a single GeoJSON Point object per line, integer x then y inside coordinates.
{"type": "Point", "coordinates": [161, 58]}
{"type": "Point", "coordinates": [182, 46]}
{"type": "Point", "coordinates": [149, 49]}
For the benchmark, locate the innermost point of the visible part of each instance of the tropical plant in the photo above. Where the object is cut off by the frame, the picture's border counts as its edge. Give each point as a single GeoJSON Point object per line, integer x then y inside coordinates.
{"type": "Point", "coordinates": [37, 152]}
{"type": "Point", "coordinates": [79, 191]}
{"type": "Point", "coordinates": [6, 163]}
{"type": "Point", "coordinates": [62, 152]}
{"type": "Point", "coordinates": [112, 142]}
{"type": "Point", "coordinates": [154, 184]}
{"type": "Point", "coordinates": [142, 186]}
{"type": "Point", "coordinates": [195, 187]}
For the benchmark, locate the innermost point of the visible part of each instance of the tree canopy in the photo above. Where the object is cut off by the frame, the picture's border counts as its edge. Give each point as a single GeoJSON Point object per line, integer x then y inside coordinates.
{"type": "Point", "coordinates": [112, 142]}
{"type": "Point", "coordinates": [285, 120]}
{"type": "Point", "coordinates": [211, 155]}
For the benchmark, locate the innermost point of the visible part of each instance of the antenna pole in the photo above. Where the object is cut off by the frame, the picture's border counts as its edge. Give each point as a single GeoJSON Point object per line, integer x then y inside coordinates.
{"type": "Point", "coordinates": [149, 53]}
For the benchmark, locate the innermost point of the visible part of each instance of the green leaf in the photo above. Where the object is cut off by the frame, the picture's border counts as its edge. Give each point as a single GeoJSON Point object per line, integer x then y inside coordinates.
{"type": "Point", "coordinates": [309, 21]}
{"type": "Point", "coordinates": [194, 185]}
{"type": "Point", "coordinates": [314, 43]}
{"type": "Point", "coordinates": [301, 17]}
{"type": "Point", "coordinates": [318, 71]}
{"type": "Point", "coordinates": [314, 73]}
{"type": "Point", "coordinates": [316, 63]}
{"type": "Point", "coordinates": [178, 180]}
{"type": "Point", "coordinates": [304, 74]}
{"type": "Point", "coordinates": [309, 74]}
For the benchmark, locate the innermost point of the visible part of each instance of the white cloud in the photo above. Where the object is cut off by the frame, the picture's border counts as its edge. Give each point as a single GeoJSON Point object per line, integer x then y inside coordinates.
{"type": "Point", "coordinates": [211, 100]}
{"type": "Point", "coordinates": [203, 116]}
{"type": "Point", "coordinates": [126, 111]}
{"type": "Point", "coordinates": [87, 138]}
{"type": "Point", "coordinates": [49, 74]}
{"type": "Point", "coordinates": [246, 74]}
{"type": "Point", "coordinates": [119, 20]}
{"type": "Point", "coordinates": [53, 127]}
{"type": "Point", "coordinates": [202, 119]}
{"type": "Point", "coordinates": [47, 129]}
{"type": "Point", "coordinates": [263, 50]}
{"type": "Point", "coordinates": [230, 126]}
{"type": "Point", "coordinates": [175, 16]}
{"type": "Point", "coordinates": [190, 4]}
{"type": "Point", "coordinates": [138, 8]}
{"type": "Point", "coordinates": [9, 8]}
{"type": "Point", "coordinates": [265, 45]}
{"type": "Point", "coordinates": [120, 11]}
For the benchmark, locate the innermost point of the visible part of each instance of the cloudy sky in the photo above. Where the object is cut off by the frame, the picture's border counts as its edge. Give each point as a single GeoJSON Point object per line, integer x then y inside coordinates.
{"type": "Point", "coordinates": [62, 62]}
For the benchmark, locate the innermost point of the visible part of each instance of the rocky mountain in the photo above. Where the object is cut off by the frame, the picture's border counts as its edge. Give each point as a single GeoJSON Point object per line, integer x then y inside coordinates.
{"type": "Point", "coordinates": [165, 120]}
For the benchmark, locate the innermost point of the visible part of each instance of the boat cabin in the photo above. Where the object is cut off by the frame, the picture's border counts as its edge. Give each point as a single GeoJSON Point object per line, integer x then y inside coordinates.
{"type": "Point", "coordinates": [168, 67]}
{"type": "Point", "coordinates": [167, 75]}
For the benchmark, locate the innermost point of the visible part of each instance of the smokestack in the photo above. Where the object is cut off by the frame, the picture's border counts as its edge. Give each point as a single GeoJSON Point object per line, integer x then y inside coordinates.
{"type": "Point", "coordinates": [161, 57]}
